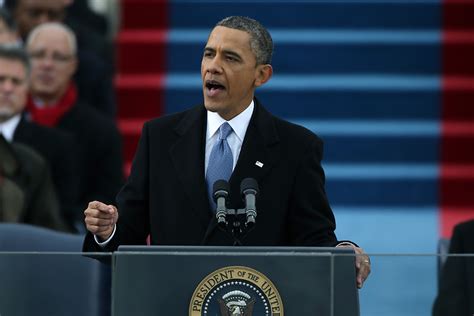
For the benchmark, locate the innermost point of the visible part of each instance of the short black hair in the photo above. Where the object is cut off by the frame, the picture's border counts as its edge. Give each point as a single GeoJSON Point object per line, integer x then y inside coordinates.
{"type": "Point", "coordinates": [261, 41]}
{"type": "Point", "coordinates": [16, 54]}
{"type": "Point", "coordinates": [7, 18]}
{"type": "Point", "coordinates": [10, 4]}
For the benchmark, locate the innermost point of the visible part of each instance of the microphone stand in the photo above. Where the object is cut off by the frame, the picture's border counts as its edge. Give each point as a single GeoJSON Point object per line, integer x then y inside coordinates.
{"type": "Point", "coordinates": [236, 225]}
{"type": "Point", "coordinates": [236, 222]}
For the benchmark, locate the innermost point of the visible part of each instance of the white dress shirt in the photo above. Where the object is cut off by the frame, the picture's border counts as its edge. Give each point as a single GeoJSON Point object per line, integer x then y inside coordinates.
{"type": "Point", "coordinates": [7, 128]}
{"type": "Point", "coordinates": [239, 126]}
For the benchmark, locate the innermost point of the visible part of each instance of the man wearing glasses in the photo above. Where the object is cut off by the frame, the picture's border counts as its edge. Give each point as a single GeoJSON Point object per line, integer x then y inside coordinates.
{"type": "Point", "coordinates": [54, 102]}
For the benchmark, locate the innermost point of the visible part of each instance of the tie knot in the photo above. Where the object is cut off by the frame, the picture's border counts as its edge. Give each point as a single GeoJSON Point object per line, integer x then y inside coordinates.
{"type": "Point", "coordinates": [225, 130]}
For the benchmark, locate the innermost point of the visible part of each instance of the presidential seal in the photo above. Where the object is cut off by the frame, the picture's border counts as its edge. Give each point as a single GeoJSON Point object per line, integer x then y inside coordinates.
{"type": "Point", "coordinates": [236, 291]}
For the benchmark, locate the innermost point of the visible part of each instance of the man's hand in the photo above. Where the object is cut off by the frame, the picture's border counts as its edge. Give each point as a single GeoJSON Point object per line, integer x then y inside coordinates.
{"type": "Point", "coordinates": [100, 219]}
{"type": "Point", "coordinates": [362, 262]}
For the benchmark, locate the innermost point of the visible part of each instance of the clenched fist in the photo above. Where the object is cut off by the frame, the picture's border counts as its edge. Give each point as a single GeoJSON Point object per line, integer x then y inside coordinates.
{"type": "Point", "coordinates": [100, 219]}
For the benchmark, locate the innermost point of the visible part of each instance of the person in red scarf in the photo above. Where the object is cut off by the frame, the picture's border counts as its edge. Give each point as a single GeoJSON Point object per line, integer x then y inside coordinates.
{"type": "Point", "coordinates": [54, 102]}
{"type": "Point", "coordinates": [94, 76]}
{"type": "Point", "coordinates": [27, 192]}
{"type": "Point", "coordinates": [55, 146]}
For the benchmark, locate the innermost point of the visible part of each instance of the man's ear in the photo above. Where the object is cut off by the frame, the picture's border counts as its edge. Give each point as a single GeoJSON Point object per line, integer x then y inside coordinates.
{"type": "Point", "coordinates": [14, 37]}
{"type": "Point", "coordinates": [264, 73]}
{"type": "Point", "coordinates": [75, 65]}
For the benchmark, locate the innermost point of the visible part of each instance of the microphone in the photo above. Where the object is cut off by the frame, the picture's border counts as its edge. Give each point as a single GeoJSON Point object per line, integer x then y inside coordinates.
{"type": "Point", "coordinates": [249, 189]}
{"type": "Point", "coordinates": [221, 192]}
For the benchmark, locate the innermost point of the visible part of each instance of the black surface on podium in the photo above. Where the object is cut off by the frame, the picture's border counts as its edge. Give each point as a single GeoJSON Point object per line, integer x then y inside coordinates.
{"type": "Point", "coordinates": [160, 280]}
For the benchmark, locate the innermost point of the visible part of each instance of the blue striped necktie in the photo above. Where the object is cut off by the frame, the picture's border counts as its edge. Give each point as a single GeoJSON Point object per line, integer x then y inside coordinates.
{"type": "Point", "coordinates": [220, 161]}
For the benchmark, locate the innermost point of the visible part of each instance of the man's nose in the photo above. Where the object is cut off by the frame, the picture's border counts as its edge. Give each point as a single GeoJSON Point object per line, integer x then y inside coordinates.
{"type": "Point", "coordinates": [43, 18]}
{"type": "Point", "coordinates": [46, 61]}
{"type": "Point", "coordinates": [214, 65]}
{"type": "Point", "coordinates": [6, 85]}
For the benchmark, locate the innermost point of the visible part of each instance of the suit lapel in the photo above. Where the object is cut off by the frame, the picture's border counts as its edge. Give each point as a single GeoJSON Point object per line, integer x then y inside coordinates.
{"type": "Point", "coordinates": [187, 155]}
{"type": "Point", "coordinates": [22, 132]}
{"type": "Point", "coordinates": [259, 153]}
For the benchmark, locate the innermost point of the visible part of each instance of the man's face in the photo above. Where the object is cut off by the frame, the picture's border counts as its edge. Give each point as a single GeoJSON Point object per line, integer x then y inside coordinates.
{"type": "Point", "coordinates": [31, 13]}
{"type": "Point", "coordinates": [229, 72]}
{"type": "Point", "coordinates": [6, 36]}
{"type": "Point", "coordinates": [52, 64]}
{"type": "Point", "coordinates": [13, 88]}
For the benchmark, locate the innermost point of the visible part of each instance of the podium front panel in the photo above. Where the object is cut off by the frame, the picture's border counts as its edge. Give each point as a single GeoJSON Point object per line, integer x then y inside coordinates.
{"type": "Point", "coordinates": [183, 281]}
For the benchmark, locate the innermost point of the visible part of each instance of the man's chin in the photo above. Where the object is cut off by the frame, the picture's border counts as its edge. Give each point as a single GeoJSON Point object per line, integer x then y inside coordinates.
{"type": "Point", "coordinates": [212, 106]}
{"type": "Point", "coordinates": [6, 115]}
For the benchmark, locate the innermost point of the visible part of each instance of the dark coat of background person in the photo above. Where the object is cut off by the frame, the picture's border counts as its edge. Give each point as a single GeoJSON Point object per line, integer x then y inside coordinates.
{"type": "Point", "coordinates": [26, 190]}
{"type": "Point", "coordinates": [81, 12]}
{"type": "Point", "coordinates": [95, 84]}
{"type": "Point", "coordinates": [96, 69]}
{"type": "Point", "coordinates": [57, 147]}
{"type": "Point", "coordinates": [456, 288]}
{"type": "Point", "coordinates": [99, 153]}
{"type": "Point", "coordinates": [166, 193]}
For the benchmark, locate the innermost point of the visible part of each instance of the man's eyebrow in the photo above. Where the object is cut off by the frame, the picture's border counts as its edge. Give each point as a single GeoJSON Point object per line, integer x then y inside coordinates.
{"type": "Point", "coordinates": [225, 51]}
{"type": "Point", "coordinates": [231, 53]}
{"type": "Point", "coordinates": [36, 51]}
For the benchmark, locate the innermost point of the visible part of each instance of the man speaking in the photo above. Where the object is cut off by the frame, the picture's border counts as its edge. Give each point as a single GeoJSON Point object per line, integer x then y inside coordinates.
{"type": "Point", "coordinates": [231, 137]}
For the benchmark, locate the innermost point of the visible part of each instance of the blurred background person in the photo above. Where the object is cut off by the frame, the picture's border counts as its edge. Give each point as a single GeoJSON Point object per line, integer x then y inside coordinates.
{"type": "Point", "coordinates": [456, 287]}
{"type": "Point", "coordinates": [80, 12]}
{"type": "Point", "coordinates": [54, 101]}
{"type": "Point", "coordinates": [27, 193]}
{"type": "Point", "coordinates": [96, 67]}
{"type": "Point", "coordinates": [8, 34]}
{"type": "Point", "coordinates": [54, 146]}
{"type": "Point", "coordinates": [26, 190]}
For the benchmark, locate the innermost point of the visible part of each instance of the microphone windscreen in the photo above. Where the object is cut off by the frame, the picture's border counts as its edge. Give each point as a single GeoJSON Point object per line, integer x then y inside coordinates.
{"type": "Point", "coordinates": [220, 185]}
{"type": "Point", "coordinates": [248, 183]}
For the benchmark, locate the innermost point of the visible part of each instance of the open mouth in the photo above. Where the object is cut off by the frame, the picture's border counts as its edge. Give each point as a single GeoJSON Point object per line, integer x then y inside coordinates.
{"type": "Point", "coordinates": [214, 86]}
{"type": "Point", "coordinates": [45, 77]}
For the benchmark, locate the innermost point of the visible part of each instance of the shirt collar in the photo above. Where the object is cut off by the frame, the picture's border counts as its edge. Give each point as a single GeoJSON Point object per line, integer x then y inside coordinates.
{"type": "Point", "coordinates": [8, 127]}
{"type": "Point", "coordinates": [239, 123]}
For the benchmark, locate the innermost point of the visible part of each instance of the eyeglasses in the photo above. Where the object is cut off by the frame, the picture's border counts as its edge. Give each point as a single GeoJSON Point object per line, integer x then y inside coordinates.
{"type": "Point", "coordinates": [51, 14]}
{"type": "Point", "coordinates": [15, 81]}
{"type": "Point", "coordinates": [56, 57]}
